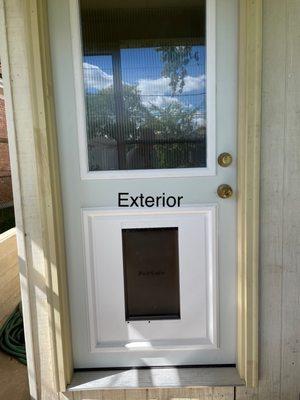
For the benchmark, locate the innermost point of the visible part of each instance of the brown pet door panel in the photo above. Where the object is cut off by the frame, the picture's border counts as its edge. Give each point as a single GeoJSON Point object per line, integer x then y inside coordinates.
{"type": "Point", "coordinates": [151, 273]}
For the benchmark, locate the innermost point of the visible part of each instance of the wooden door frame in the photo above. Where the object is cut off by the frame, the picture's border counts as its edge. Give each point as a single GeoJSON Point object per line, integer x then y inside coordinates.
{"type": "Point", "coordinates": [25, 57]}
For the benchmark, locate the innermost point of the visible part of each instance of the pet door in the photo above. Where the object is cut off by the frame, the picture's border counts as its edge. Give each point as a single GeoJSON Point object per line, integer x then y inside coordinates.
{"type": "Point", "coordinates": [151, 273]}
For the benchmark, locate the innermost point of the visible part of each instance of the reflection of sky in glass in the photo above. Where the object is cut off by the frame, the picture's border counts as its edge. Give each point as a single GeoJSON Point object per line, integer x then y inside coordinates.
{"type": "Point", "coordinates": [142, 67]}
{"type": "Point", "coordinates": [157, 127]}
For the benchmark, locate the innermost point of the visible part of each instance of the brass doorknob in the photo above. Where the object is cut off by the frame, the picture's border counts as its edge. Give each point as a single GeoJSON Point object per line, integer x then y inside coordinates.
{"type": "Point", "coordinates": [225, 159]}
{"type": "Point", "coordinates": [225, 191]}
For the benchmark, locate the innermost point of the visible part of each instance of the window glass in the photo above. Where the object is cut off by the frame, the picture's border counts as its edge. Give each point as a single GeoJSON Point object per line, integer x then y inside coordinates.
{"type": "Point", "coordinates": [145, 84]}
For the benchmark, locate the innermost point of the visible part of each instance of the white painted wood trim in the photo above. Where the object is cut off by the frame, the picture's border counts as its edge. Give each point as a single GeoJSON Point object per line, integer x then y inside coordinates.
{"type": "Point", "coordinates": [10, 109]}
{"type": "Point", "coordinates": [7, 234]}
{"type": "Point", "coordinates": [249, 130]}
{"type": "Point", "coordinates": [159, 217]}
{"type": "Point", "coordinates": [79, 87]}
{"type": "Point", "coordinates": [210, 170]}
{"type": "Point", "coordinates": [211, 87]}
{"type": "Point", "coordinates": [33, 154]}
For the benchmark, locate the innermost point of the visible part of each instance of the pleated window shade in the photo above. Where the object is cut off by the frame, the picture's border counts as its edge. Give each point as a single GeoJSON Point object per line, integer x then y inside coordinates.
{"type": "Point", "coordinates": [145, 84]}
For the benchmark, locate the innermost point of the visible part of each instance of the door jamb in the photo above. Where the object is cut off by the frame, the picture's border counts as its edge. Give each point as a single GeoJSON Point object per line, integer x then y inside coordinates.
{"type": "Point", "coordinates": [249, 132]}
{"type": "Point", "coordinates": [32, 136]}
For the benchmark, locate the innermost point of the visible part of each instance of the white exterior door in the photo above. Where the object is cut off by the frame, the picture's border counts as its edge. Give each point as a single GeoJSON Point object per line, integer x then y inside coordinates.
{"type": "Point", "coordinates": [146, 101]}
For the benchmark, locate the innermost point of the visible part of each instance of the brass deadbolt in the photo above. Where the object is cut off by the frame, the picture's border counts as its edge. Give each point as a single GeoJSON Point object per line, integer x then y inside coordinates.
{"type": "Point", "coordinates": [225, 159]}
{"type": "Point", "coordinates": [225, 191]}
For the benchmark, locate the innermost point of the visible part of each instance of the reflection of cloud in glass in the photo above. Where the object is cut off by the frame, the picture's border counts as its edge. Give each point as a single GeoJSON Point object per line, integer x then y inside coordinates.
{"type": "Point", "coordinates": [153, 92]}
{"type": "Point", "coordinates": [158, 101]}
{"type": "Point", "coordinates": [158, 92]}
{"type": "Point", "coordinates": [95, 79]}
{"type": "Point", "coordinates": [162, 85]}
{"type": "Point", "coordinates": [199, 122]}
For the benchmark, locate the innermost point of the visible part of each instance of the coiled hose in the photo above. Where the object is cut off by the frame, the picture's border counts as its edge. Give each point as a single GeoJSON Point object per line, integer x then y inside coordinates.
{"type": "Point", "coordinates": [12, 339]}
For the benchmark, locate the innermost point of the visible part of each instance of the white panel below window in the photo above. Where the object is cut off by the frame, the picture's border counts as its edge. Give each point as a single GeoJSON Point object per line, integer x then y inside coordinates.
{"type": "Point", "coordinates": [197, 235]}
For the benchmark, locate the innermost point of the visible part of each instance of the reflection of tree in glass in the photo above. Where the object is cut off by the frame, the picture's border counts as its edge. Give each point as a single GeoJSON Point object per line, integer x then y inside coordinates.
{"type": "Point", "coordinates": [175, 59]}
{"type": "Point", "coordinates": [180, 136]}
{"type": "Point", "coordinates": [175, 132]}
{"type": "Point", "coordinates": [175, 120]}
{"type": "Point", "coordinates": [101, 112]}
{"type": "Point", "coordinates": [170, 120]}
{"type": "Point", "coordinates": [143, 155]}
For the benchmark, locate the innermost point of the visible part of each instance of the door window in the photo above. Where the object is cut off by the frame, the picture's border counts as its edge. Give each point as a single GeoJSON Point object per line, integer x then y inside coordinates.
{"type": "Point", "coordinates": [145, 86]}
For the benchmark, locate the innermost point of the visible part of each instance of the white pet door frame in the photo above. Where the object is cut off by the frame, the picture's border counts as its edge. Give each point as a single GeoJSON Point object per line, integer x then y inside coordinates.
{"type": "Point", "coordinates": [197, 326]}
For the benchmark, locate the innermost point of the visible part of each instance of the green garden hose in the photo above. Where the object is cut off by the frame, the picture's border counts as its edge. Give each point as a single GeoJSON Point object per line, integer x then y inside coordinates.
{"type": "Point", "coordinates": [12, 336]}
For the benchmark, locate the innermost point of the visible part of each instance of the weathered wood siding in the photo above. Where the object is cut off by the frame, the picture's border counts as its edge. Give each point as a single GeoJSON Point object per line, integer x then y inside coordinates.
{"type": "Point", "coordinates": [280, 205]}
{"type": "Point", "coordinates": [205, 393]}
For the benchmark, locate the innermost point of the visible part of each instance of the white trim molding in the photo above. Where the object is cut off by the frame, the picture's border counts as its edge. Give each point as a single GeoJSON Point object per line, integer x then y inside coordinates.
{"type": "Point", "coordinates": [249, 129]}
{"type": "Point", "coordinates": [104, 275]}
{"type": "Point", "coordinates": [36, 187]}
